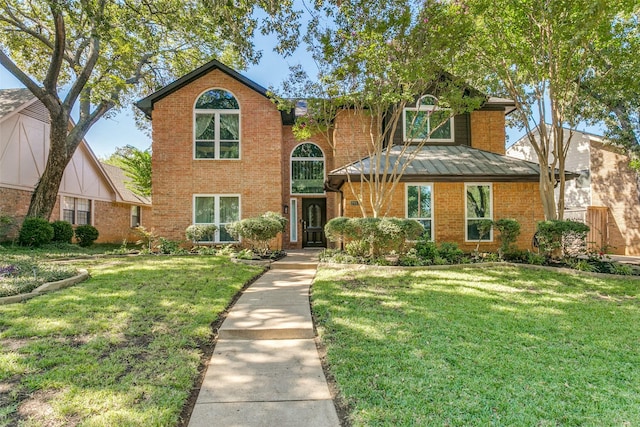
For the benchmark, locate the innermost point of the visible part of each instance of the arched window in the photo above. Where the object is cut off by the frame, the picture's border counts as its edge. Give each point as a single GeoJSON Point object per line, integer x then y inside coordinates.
{"type": "Point", "coordinates": [307, 169]}
{"type": "Point", "coordinates": [217, 126]}
{"type": "Point", "coordinates": [427, 121]}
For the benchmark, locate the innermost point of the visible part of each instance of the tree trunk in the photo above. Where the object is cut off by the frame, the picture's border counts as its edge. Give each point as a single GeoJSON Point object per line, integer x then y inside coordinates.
{"type": "Point", "coordinates": [45, 194]}
{"type": "Point", "coordinates": [547, 195]}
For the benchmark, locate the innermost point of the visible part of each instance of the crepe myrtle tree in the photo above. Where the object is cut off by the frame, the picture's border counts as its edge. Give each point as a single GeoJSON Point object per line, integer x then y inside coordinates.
{"type": "Point", "coordinates": [98, 55]}
{"type": "Point", "coordinates": [374, 59]}
{"type": "Point", "coordinates": [539, 54]}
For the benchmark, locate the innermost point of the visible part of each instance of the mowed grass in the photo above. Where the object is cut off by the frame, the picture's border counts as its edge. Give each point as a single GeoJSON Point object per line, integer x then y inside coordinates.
{"type": "Point", "coordinates": [121, 349]}
{"type": "Point", "coordinates": [481, 346]}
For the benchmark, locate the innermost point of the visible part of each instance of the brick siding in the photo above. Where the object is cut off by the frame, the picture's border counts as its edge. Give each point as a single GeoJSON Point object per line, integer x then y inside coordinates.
{"type": "Point", "coordinates": [256, 177]}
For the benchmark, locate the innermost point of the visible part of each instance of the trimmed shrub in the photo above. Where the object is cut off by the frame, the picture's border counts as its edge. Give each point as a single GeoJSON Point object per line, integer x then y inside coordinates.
{"type": "Point", "coordinates": [560, 238]}
{"type": "Point", "coordinates": [166, 246]}
{"type": "Point", "coordinates": [258, 231]}
{"type": "Point", "coordinates": [201, 233]}
{"type": "Point", "coordinates": [35, 232]}
{"type": "Point", "coordinates": [86, 235]}
{"type": "Point", "coordinates": [509, 231]}
{"type": "Point", "coordinates": [374, 236]}
{"type": "Point", "coordinates": [62, 231]}
{"type": "Point", "coordinates": [338, 229]}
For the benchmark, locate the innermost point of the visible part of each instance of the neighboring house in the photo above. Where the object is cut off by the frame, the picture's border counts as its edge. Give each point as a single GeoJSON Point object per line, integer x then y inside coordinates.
{"type": "Point", "coordinates": [222, 152]}
{"type": "Point", "coordinates": [90, 192]}
{"type": "Point", "coordinates": [605, 195]}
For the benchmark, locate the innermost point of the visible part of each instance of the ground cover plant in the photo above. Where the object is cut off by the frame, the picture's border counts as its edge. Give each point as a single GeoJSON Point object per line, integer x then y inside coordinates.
{"type": "Point", "coordinates": [122, 348]}
{"type": "Point", "coordinates": [21, 274]}
{"type": "Point", "coordinates": [481, 346]}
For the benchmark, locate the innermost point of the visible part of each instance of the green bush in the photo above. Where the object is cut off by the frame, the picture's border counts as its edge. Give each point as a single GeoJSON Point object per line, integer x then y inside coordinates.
{"type": "Point", "coordinates": [35, 232]}
{"type": "Point", "coordinates": [166, 246]}
{"type": "Point", "coordinates": [62, 231]}
{"type": "Point", "coordinates": [377, 235]}
{"type": "Point", "coordinates": [427, 250]}
{"type": "Point", "coordinates": [258, 231]}
{"type": "Point", "coordinates": [450, 252]}
{"type": "Point", "coordinates": [201, 233]}
{"type": "Point", "coordinates": [560, 238]}
{"type": "Point", "coordinates": [86, 235]}
{"type": "Point", "coordinates": [509, 231]}
{"type": "Point", "coordinates": [338, 229]}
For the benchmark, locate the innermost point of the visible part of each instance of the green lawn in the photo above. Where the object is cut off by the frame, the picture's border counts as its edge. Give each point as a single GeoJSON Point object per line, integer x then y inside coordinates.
{"type": "Point", "coordinates": [121, 349]}
{"type": "Point", "coordinates": [481, 346]}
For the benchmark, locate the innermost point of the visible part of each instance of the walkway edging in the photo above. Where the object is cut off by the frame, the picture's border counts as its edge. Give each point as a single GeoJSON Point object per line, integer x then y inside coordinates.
{"type": "Point", "coordinates": [47, 287]}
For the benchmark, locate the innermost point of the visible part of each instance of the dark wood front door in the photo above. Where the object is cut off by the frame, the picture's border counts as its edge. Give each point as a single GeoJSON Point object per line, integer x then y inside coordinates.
{"type": "Point", "coordinates": [314, 217]}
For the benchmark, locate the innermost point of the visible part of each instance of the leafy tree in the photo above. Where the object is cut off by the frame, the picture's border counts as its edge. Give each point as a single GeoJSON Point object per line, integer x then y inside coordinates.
{"type": "Point", "coordinates": [611, 89]}
{"type": "Point", "coordinates": [136, 164]}
{"type": "Point", "coordinates": [374, 59]}
{"type": "Point", "coordinates": [538, 54]}
{"type": "Point", "coordinates": [97, 55]}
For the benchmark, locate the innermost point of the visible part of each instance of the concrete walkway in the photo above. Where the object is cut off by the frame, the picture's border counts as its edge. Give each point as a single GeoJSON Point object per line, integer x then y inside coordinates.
{"type": "Point", "coordinates": [265, 370]}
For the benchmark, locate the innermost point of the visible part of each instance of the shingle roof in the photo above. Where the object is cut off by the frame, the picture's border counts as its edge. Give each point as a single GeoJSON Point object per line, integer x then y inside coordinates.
{"type": "Point", "coordinates": [13, 99]}
{"type": "Point", "coordinates": [118, 178]}
{"type": "Point", "coordinates": [447, 163]}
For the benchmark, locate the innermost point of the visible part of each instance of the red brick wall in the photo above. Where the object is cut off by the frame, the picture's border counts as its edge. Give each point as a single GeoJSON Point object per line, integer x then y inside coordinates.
{"type": "Point", "coordinates": [256, 177]}
{"type": "Point", "coordinates": [111, 219]}
{"type": "Point", "coordinates": [520, 201]}
{"type": "Point", "coordinates": [487, 131]}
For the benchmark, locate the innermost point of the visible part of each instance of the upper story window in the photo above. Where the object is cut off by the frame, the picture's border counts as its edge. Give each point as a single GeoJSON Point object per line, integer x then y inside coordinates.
{"type": "Point", "coordinates": [427, 122]}
{"type": "Point", "coordinates": [217, 126]}
{"type": "Point", "coordinates": [307, 169]}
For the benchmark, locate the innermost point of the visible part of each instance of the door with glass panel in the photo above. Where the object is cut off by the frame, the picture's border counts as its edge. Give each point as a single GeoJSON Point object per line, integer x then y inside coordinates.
{"type": "Point", "coordinates": [314, 217]}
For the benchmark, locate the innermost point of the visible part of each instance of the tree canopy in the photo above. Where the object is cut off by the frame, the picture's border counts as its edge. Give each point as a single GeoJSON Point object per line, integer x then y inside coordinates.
{"type": "Point", "coordinates": [98, 55]}
{"type": "Point", "coordinates": [538, 53]}
{"type": "Point", "coordinates": [374, 59]}
{"type": "Point", "coordinates": [136, 165]}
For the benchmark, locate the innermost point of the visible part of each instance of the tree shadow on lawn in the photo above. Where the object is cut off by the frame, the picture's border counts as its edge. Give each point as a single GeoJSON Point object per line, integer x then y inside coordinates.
{"type": "Point", "coordinates": [121, 348]}
{"type": "Point", "coordinates": [480, 346]}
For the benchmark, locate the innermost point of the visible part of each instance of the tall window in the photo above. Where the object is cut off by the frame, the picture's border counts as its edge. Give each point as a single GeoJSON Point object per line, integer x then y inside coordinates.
{"type": "Point", "coordinates": [426, 121]}
{"type": "Point", "coordinates": [219, 210]}
{"type": "Point", "coordinates": [135, 216]}
{"type": "Point", "coordinates": [293, 221]}
{"type": "Point", "coordinates": [307, 169]}
{"type": "Point", "coordinates": [420, 206]}
{"type": "Point", "coordinates": [76, 211]}
{"type": "Point", "coordinates": [217, 126]}
{"type": "Point", "coordinates": [478, 208]}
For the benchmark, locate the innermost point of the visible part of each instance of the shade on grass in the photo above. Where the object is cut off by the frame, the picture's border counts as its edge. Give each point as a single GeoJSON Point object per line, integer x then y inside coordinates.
{"type": "Point", "coordinates": [120, 349]}
{"type": "Point", "coordinates": [490, 346]}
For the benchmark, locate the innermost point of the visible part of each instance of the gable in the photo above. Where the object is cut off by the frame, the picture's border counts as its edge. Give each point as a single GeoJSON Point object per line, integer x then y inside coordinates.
{"type": "Point", "coordinates": [24, 148]}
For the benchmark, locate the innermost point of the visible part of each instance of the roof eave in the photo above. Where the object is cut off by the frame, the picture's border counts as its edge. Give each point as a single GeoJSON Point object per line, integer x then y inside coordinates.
{"type": "Point", "coordinates": [146, 104]}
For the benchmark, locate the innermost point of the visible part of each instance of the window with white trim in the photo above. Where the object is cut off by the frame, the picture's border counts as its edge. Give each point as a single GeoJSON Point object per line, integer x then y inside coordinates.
{"type": "Point", "coordinates": [293, 220]}
{"type": "Point", "coordinates": [217, 126]}
{"type": "Point", "coordinates": [478, 208]}
{"type": "Point", "coordinates": [218, 210]}
{"type": "Point", "coordinates": [419, 206]}
{"type": "Point", "coordinates": [427, 122]}
{"type": "Point", "coordinates": [135, 216]}
{"type": "Point", "coordinates": [307, 169]}
{"type": "Point", "coordinates": [76, 211]}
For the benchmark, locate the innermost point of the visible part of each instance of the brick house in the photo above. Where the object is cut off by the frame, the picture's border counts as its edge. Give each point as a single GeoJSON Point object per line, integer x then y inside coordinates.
{"type": "Point", "coordinates": [606, 195]}
{"type": "Point", "coordinates": [90, 192]}
{"type": "Point", "coordinates": [222, 151]}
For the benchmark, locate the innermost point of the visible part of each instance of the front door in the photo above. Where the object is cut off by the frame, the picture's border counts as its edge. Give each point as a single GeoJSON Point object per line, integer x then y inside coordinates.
{"type": "Point", "coordinates": [314, 217]}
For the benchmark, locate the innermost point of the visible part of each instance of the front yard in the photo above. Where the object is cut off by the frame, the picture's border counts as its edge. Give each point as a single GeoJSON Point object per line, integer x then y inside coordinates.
{"type": "Point", "coordinates": [481, 346]}
{"type": "Point", "coordinates": [120, 349]}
